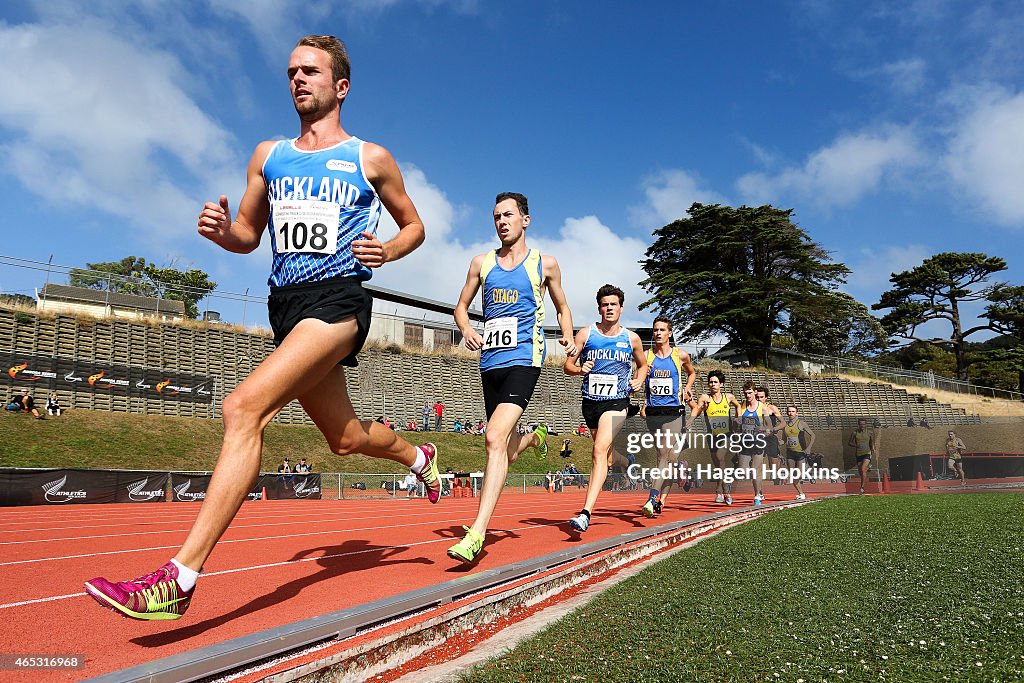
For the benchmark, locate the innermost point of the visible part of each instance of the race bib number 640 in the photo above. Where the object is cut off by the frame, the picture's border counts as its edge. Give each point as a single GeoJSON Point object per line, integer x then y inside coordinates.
{"type": "Point", "coordinates": [306, 226]}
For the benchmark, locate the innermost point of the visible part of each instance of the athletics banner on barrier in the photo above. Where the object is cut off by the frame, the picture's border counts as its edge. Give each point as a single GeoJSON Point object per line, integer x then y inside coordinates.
{"type": "Point", "coordinates": [61, 487]}
{"type": "Point", "coordinates": [26, 370]}
{"type": "Point", "coordinates": [292, 486]}
{"type": "Point", "coordinates": [188, 488]}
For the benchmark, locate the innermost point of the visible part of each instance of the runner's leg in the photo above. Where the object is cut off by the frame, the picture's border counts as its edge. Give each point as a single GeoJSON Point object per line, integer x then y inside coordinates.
{"type": "Point", "coordinates": [304, 359]}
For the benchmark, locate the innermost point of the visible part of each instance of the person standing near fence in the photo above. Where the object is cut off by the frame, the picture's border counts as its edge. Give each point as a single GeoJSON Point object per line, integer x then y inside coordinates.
{"type": "Point", "coordinates": [514, 279]}
{"type": "Point", "coordinates": [438, 415]}
{"type": "Point", "coordinates": [319, 196]}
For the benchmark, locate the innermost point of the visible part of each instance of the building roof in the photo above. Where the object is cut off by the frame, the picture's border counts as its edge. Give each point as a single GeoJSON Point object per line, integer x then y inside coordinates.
{"type": "Point", "coordinates": [101, 297]}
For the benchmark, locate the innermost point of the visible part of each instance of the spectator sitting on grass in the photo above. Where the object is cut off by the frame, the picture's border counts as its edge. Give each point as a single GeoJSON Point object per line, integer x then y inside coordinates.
{"type": "Point", "coordinates": [53, 404]}
{"type": "Point", "coordinates": [303, 467]}
{"type": "Point", "coordinates": [457, 427]}
{"type": "Point", "coordinates": [24, 403]}
{"type": "Point", "coordinates": [565, 451]}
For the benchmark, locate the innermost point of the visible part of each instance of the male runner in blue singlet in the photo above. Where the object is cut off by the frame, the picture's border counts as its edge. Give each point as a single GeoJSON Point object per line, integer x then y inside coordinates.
{"type": "Point", "coordinates": [513, 279]}
{"type": "Point", "coordinates": [608, 352]}
{"type": "Point", "coordinates": [670, 379]}
{"type": "Point", "coordinates": [319, 197]}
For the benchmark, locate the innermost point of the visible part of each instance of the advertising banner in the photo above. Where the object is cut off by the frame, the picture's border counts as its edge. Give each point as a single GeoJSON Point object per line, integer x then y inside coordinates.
{"type": "Point", "coordinates": [72, 486]}
{"type": "Point", "coordinates": [47, 373]}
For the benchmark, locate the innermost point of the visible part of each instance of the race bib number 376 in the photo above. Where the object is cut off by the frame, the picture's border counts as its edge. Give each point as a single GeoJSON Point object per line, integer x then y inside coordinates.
{"type": "Point", "coordinates": [306, 226]}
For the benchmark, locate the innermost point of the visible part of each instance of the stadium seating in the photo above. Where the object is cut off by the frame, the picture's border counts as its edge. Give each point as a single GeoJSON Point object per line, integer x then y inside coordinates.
{"type": "Point", "coordinates": [396, 384]}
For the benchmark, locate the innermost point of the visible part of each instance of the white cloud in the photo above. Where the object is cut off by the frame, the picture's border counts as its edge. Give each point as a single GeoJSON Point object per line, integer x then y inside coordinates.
{"type": "Point", "coordinates": [907, 75]}
{"type": "Point", "coordinates": [985, 156]}
{"type": "Point", "coordinates": [101, 123]}
{"type": "Point", "coordinates": [589, 253]}
{"type": "Point", "coordinates": [837, 175]}
{"type": "Point", "coordinates": [668, 195]}
{"type": "Point", "coordinates": [871, 268]}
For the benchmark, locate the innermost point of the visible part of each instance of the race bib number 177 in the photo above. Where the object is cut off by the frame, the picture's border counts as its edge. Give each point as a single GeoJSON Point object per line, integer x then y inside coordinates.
{"type": "Point", "coordinates": [306, 226]}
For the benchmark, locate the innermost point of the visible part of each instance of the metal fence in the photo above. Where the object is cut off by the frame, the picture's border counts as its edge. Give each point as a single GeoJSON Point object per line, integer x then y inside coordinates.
{"type": "Point", "coordinates": [893, 375]}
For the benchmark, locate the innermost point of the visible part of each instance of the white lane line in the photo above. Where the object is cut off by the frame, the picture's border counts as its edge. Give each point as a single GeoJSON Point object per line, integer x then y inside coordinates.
{"type": "Point", "coordinates": [285, 563]}
{"type": "Point", "coordinates": [291, 522]}
{"type": "Point", "coordinates": [238, 540]}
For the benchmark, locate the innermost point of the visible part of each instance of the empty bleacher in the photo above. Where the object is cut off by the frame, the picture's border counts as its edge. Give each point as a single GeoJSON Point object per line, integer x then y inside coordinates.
{"type": "Point", "coordinates": [388, 382]}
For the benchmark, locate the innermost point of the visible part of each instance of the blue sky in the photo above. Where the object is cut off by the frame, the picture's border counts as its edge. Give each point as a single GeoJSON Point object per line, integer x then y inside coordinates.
{"type": "Point", "coordinates": [895, 129]}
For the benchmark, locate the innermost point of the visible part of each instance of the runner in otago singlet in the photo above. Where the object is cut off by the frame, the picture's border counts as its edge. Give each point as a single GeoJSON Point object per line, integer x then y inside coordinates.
{"type": "Point", "coordinates": [513, 305]}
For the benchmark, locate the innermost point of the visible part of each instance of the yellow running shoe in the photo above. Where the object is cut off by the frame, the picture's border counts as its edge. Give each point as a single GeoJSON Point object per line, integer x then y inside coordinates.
{"type": "Point", "coordinates": [542, 434]}
{"type": "Point", "coordinates": [468, 548]}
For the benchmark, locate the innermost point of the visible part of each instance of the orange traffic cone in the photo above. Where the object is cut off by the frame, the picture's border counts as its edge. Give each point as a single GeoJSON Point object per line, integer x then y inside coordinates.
{"type": "Point", "coordinates": [263, 495]}
{"type": "Point", "coordinates": [886, 484]}
{"type": "Point", "coordinates": [919, 484]}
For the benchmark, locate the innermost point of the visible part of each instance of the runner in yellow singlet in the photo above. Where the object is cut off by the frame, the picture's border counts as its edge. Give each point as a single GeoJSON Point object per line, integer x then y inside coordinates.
{"type": "Point", "coordinates": [717, 406]}
{"type": "Point", "coordinates": [866, 446]}
{"type": "Point", "coordinates": [796, 450]}
{"type": "Point", "coordinates": [954, 450]}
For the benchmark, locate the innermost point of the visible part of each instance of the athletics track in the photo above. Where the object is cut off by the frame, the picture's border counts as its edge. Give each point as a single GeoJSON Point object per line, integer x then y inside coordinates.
{"type": "Point", "coordinates": [280, 562]}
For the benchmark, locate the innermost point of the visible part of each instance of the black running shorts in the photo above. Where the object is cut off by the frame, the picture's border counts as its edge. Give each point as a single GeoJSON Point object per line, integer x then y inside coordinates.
{"type": "Point", "coordinates": [593, 410]}
{"type": "Point", "coordinates": [659, 416]}
{"type": "Point", "coordinates": [513, 384]}
{"type": "Point", "coordinates": [329, 300]}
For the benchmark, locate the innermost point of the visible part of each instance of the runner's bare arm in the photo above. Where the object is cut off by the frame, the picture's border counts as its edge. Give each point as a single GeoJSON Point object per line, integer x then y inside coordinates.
{"type": "Point", "coordinates": [571, 366]}
{"type": "Point", "coordinates": [553, 278]}
{"type": "Point", "coordinates": [691, 375]}
{"type": "Point", "coordinates": [242, 235]}
{"type": "Point", "coordinates": [640, 358]}
{"type": "Point", "coordinates": [474, 342]}
{"type": "Point", "coordinates": [383, 174]}
{"type": "Point", "coordinates": [700, 406]}
{"type": "Point", "coordinates": [810, 435]}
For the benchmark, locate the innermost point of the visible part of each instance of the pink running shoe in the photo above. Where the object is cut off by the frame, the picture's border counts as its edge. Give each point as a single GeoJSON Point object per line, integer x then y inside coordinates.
{"type": "Point", "coordinates": [429, 475]}
{"type": "Point", "coordinates": [153, 596]}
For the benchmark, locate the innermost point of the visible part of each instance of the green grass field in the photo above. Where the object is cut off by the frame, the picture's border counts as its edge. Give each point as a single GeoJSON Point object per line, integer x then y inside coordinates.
{"type": "Point", "coordinates": [94, 439]}
{"type": "Point", "coordinates": [895, 588]}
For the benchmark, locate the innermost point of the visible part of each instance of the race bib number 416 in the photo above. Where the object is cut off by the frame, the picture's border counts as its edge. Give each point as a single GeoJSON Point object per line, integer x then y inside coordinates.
{"type": "Point", "coordinates": [501, 333]}
{"type": "Point", "coordinates": [306, 226]}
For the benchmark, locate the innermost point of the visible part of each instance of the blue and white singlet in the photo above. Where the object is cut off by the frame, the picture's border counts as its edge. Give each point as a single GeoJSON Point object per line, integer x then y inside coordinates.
{"type": "Point", "coordinates": [320, 202]}
{"type": "Point", "coordinates": [664, 384]}
{"type": "Point", "coordinates": [613, 365]}
{"type": "Point", "coordinates": [513, 302]}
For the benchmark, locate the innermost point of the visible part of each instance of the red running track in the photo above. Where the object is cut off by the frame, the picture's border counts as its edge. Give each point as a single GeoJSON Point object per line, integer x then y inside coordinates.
{"type": "Point", "coordinates": [278, 563]}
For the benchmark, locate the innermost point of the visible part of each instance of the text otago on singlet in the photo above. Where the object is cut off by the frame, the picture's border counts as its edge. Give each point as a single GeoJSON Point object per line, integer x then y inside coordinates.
{"type": "Point", "coordinates": [734, 442]}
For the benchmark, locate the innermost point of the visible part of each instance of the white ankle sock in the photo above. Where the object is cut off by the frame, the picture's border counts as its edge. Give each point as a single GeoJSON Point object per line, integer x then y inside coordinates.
{"type": "Point", "coordinates": [186, 577]}
{"type": "Point", "coordinates": [421, 461]}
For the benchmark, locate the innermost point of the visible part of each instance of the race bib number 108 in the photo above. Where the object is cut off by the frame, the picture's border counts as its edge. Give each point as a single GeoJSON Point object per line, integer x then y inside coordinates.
{"type": "Point", "coordinates": [306, 226]}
